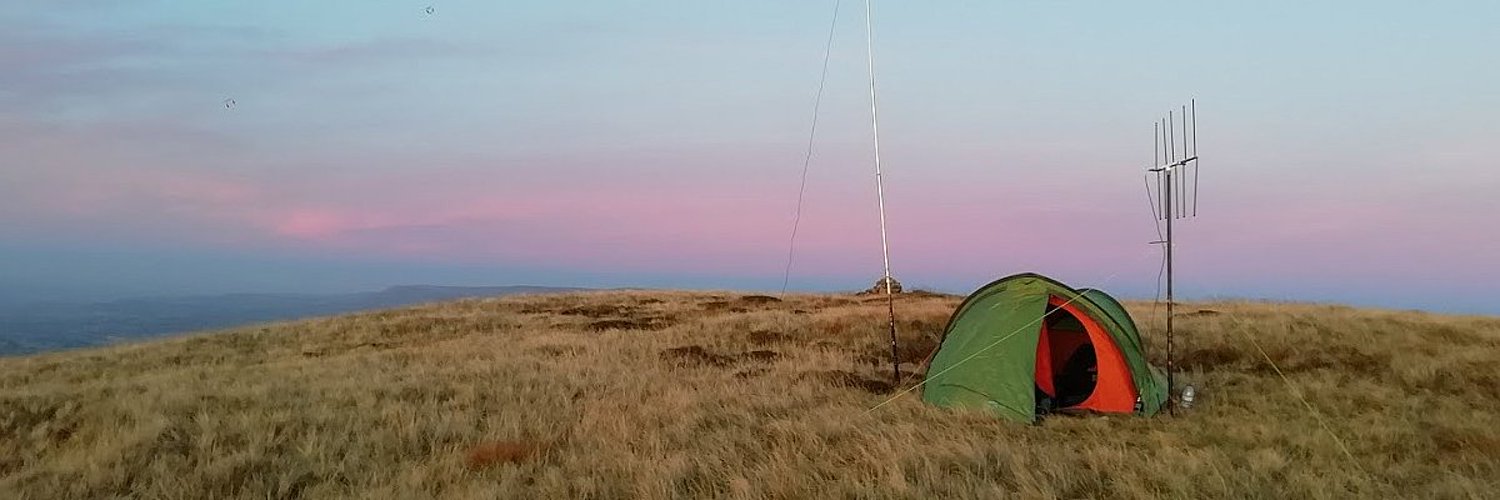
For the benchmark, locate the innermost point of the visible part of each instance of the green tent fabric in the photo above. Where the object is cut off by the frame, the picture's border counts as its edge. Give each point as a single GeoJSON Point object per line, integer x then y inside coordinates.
{"type": "Point", "coordinates": [989, 354]}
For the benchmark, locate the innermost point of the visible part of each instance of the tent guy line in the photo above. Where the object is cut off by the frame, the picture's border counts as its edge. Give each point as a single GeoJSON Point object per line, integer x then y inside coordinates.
{"type": "Point", "coordinates": [1317, 415]}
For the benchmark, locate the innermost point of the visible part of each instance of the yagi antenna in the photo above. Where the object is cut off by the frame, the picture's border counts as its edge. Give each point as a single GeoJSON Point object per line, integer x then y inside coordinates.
{"type": "Point", "coordinates": [1171, 175]}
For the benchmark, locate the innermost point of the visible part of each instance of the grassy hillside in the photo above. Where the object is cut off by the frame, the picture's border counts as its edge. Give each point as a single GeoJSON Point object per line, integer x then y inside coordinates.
{"type": "Point", "coordinates": [664, 394]}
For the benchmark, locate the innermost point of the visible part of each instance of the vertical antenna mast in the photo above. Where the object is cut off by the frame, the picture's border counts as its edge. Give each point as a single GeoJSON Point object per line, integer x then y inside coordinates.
{"type": "Point", "coordinates": [1171, 170]}
{"type": "Point", "coordinates": [1171, 203]}
{"type": "Point", "coordinates": [885, 250]}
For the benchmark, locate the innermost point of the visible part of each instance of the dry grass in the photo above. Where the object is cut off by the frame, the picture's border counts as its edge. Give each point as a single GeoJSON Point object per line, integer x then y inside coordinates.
{"type": "Point", "coordinates": [665, 394]}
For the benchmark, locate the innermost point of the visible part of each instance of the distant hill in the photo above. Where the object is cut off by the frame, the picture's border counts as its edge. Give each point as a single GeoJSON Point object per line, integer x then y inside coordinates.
{"type": "Point", "coordinates": [63, 325]}
{"type": "Point", "coordinates": [658, 394]}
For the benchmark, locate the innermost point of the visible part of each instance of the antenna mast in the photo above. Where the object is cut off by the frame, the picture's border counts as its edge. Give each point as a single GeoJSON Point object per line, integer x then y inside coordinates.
{"type": "Point", "coordinates": [1170, 168]}
{"type": "Point", "coordinates": [885, 249]}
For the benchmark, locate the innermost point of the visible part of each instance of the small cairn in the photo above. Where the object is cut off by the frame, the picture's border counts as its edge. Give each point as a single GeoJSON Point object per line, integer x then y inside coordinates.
{"type": "Point", "coordinates": [879, 288]}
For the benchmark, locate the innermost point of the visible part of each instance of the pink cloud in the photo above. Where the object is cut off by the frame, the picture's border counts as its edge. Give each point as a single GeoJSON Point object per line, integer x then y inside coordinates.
{"type": "Point", "coordinates": [309, 224]}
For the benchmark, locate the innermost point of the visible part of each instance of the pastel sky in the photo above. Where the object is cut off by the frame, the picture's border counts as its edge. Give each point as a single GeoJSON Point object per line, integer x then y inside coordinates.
{"type": "Point", "coordinates": [1350, 148]}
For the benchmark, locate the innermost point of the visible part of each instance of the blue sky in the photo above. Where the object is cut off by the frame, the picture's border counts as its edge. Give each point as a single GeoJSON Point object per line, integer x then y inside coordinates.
{"type": "Point", "coordinates": [1349, 146]}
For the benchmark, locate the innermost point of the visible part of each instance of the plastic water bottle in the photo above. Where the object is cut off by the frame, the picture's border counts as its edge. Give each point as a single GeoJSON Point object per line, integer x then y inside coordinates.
{"type": "Point", "coordinates": [1188, 394]}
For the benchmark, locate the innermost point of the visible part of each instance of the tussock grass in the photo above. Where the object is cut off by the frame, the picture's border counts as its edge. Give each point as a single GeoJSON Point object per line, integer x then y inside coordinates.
{"type": "Point", "coordinates": [675, 394]}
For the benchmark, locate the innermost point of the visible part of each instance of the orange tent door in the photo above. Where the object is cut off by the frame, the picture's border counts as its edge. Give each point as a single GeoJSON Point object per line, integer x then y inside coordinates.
{"type": "Point", "coordinates": [1053, 348]}
{"type": "Point", "coordinates": [1114, 391]}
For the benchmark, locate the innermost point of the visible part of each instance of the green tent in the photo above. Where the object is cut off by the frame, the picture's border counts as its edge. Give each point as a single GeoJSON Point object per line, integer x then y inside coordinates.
{"type": "Point", "coordinates": [1027, 344]}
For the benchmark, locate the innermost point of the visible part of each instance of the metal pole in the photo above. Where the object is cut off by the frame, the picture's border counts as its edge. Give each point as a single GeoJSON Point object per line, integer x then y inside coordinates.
{"type": "Point", "coordinates": [885, 250]}
{"type": "Point", "coordinates": [1170, 368]}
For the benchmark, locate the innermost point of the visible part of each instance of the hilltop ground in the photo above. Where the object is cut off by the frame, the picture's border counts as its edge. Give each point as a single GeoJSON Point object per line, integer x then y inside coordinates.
{"type": "Point", "coordinates": [668, 394]}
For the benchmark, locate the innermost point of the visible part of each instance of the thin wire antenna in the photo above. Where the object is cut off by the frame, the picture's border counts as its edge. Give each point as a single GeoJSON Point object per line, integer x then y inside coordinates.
{"type": "Point", "coordinates": [1194, 104]}
{"type": "Point", "coordinates": [885, 249]}
{"type": "Point", "coordinates": [812, 135]}
{"type": "Point", "coordinates": [1151, 198]}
